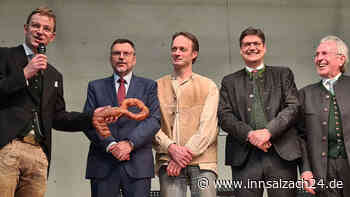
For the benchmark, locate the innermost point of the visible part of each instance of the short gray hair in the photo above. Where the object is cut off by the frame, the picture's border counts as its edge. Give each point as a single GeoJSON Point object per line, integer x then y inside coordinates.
{"type": "Point", "coordinates": [342, 49]}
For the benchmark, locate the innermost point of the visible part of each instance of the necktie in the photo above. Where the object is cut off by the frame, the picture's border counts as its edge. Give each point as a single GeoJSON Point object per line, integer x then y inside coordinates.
{"type": "Point", "coordinates": [255, 74]}
{"type": "Point", "coordinates": [121, 90]}
{"type": "Point", "coordinates": [330, 86]}
{"type": "Point", "coordinates": [258, 115]}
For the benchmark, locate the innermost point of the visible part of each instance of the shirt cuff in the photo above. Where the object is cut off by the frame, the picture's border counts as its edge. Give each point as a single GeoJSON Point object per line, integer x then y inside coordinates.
{"type": "Point", "coordinates": [167, 143]}
{"type": "Point", "coordinates": [109, 146]}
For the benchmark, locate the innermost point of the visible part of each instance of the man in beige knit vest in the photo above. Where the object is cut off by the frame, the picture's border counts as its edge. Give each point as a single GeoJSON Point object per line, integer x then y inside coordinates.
{"type": "Point", "coordinates": [186, 144]}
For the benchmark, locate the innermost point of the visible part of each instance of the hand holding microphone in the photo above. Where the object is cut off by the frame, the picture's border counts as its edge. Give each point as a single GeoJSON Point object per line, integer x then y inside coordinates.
{"type": "Point", "coordinates": [41, 50]}
{"type": "Point", "coordinates": [37, 64]}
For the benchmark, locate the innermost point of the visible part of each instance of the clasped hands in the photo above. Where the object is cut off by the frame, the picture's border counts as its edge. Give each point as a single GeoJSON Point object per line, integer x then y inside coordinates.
{"type": "Point", "coordinates": [180, 156]}
{"type": "Point", "coordinates": [260, 138]}
{"type": "Point", "coordinates": [121, 150]}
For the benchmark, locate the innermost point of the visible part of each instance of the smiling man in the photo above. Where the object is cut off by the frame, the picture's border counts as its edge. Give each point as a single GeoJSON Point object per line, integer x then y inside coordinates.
{"type": "Point", "coordinates": [258, 107]}
{"type": "Point", "coordinates": [186, 144]}
{"type": "Point", "coordinates": [325, 111]}
{"type": "Point", "coordinates": [32, 103]}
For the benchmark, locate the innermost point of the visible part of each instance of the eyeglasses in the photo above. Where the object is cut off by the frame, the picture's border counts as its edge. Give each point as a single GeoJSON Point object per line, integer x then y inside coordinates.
{"type": "Point", "coordinates": [255, 44]}
{"type": "Point", "coordinates": [324, 53]}
{"type": "Point", "coordinates": [120, 53]}
{"type": "Point", "coordinates": [37, 26]}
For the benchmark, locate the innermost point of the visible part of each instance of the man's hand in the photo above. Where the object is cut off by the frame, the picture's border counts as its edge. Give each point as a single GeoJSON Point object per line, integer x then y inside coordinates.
{"type": "Point", "coordinates": [121, 150]}
{"type": "Point", "coordinates": [265, 146]}
{"type": "Point", "coordinates": [260, 138]}
{"type": "Point", "coordinates": [173, 169]}
{"type": "Point", "coordinates": [309, 181]}
{"type": "Point", "coordinates": [100, 121]}
{"type": "Point", "coordinates": [37, 63]}
{"type": "Point", "coordinates": [180, 154]}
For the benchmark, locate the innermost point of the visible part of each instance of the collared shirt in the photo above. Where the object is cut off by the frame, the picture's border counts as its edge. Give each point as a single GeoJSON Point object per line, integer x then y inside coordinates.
{"type": "Point", "coordinates": [249, 69]}
{"type": "Point", "coordinates": [329, 83]}
{"type": "Point", "coordinates": [127, 79]}
{"type": "Point", "coordinates": [27, 50]}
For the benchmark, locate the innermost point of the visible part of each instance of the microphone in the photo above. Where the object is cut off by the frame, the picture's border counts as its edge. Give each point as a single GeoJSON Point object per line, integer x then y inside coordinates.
{"type": "Point", "coordinates": [41, 50]}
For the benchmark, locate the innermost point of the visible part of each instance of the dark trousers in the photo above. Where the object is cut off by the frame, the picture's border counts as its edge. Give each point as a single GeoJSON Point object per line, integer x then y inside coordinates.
{"type": "Point", "coordinates": [265, 170]}
{"type": "Point", "coordinates": [117, 180]}
{"type": "Point", "coordinates": [338, 179]}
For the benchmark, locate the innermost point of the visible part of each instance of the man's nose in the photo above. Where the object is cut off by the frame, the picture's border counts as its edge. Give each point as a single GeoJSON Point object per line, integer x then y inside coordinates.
{"type": "Point", "coordinates": [40, 30]}
{"type": "Point", "coordinates": [177, 52]}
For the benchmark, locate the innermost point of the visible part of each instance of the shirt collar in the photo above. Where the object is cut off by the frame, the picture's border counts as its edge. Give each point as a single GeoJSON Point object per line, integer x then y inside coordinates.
{"type": "Point", "coordinates": [127, 77]}
{"type": "Point", "coordinates": [325, 81]}
{"type": "Point", "coordinates": [27, 50]}
{"type": "Point", "coordinates": [173, 77]}
{"type": "Point", "coordinates": [261, 66]}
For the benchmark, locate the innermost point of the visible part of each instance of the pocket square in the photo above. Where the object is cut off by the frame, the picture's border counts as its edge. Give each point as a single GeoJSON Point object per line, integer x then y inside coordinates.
{"type": "Point", "coordinates": [56, 84]}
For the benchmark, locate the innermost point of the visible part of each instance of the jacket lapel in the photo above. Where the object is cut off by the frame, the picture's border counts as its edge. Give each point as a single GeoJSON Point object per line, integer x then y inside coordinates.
{"type": "Point", "coordinates": [19, 56]}
{"type": "Point", "coordinates": [132, 90]}
{"type": "Point", "coordinates": [21, 60]}
{"type": "Point", "coordinates": [50, 83]}
{"type": "Point", "coordinates": [111, 91]}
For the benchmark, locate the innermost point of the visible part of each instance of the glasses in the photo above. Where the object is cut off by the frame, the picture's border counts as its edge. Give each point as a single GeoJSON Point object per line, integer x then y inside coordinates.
{"type": "Point", "coordinates": [37, 27]}
{"type": "Point", "coordinates": [324, 53]}
{"type": "Point", "coordinates": [255, 44]}
{"type": "Point", "coordinates": [120, 53]}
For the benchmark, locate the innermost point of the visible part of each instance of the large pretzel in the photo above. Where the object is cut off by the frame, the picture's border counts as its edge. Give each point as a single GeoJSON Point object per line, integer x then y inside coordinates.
{"type": "Point", "coordinates": [117, 112]}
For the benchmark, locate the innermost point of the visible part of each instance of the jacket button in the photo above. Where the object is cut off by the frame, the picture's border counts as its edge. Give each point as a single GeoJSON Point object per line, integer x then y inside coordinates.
{"type": "Point", "coordinates": [324, 138]}
{"type": "Point", "coordinates": [325, 109]}
{"type": "Point", "coordinates": [327, 96]}
{"type": "Point", "coordinates": [323, 154]}
{"type": "Point", "coordinates": [249, 109]}
{"type": "Point", "coordinates": [324, 122]}
{"type": "Point", "coordinates": [251, 95]}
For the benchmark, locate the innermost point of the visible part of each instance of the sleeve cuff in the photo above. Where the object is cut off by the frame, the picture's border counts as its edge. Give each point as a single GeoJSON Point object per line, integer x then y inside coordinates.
{"type": "Point", "coordinates": [109, 146]}
{"type": "Point", "coordinates": [167, 143]}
